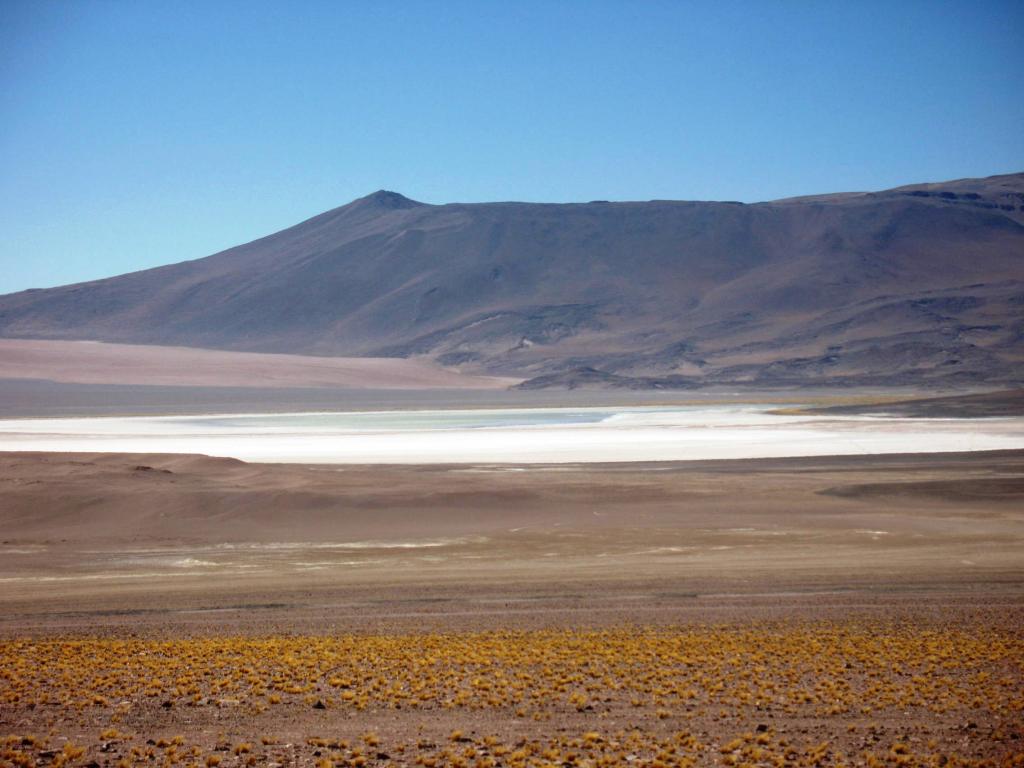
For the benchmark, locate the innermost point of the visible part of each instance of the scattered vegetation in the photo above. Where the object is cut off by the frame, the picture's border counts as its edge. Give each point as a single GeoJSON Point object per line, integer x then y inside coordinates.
{"type": "Point", "coordinates": [656, 684]}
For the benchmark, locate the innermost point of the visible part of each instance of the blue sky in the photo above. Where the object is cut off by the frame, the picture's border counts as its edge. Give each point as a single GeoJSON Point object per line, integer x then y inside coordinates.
{"type": "Point", "coordinates": [134, 134]}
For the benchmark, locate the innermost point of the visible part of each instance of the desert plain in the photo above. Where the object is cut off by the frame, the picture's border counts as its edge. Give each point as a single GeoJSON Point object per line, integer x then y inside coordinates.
{"type": "Point", "coordinates": [175, 609]}
{"type": "Point", "coordinates": [539, 466]}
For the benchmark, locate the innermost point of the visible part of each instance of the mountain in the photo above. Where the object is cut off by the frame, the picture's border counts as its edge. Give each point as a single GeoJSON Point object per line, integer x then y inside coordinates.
{"type": "Point", "coordinates": [916, 285]}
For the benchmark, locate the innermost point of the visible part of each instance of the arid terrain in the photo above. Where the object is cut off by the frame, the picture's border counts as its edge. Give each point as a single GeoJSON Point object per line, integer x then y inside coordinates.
{"type": "Point", "coordinates": [915, 286]}
{"type": "Point", "coordinates": [492, 471]}
{"type": "Point", "coordinates": [191, 610]}
{"type": "Point", "coordinates": [831, 611]}
{"type": "Point", "coordinates": [84, 362]}
{"type": "Point", "coordinates": [111, 526]}
{"type": "Point", "coordinates": [905, 690]}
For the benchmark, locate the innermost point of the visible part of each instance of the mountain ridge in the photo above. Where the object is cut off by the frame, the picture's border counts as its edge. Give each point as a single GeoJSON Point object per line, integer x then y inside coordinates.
{"type": "Point", "coordinates": [920, 284]}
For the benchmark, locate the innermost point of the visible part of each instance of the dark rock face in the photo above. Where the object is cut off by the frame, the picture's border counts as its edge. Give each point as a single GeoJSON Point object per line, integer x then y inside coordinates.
{"type": "Point", "coordinates": [914, 285]}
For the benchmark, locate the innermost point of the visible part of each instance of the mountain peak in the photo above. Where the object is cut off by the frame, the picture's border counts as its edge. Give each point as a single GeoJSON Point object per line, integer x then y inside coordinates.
{"type": "Point", "coordinates": [638, 295]}
{"type": "Point", "coordinates": [385, 199]}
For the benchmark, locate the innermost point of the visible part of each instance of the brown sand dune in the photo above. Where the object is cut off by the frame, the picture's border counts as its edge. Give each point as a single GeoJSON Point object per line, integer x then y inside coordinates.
{"type": "Point", "coordinates": [85, 362]}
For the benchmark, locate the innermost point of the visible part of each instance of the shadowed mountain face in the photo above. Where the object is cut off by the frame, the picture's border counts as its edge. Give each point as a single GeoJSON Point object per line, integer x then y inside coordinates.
{"type": "Point", "coordinates": [921, 284]}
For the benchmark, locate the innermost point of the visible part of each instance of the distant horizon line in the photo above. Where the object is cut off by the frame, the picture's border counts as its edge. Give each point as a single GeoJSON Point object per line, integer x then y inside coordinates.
{"type": "Point", "coordinates": [386, 191]}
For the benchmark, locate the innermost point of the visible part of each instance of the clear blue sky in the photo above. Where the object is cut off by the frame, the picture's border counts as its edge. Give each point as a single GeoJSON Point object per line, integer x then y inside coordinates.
{"type": "Point", "coordinates": [134, 134]}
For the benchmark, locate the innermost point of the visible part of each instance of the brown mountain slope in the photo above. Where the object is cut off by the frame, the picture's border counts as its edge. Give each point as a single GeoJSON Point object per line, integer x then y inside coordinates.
{"type": "Point", "coordinates": [914, 285]}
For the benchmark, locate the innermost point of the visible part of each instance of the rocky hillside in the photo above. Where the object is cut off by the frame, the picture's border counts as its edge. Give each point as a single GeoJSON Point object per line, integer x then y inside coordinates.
{"type": "Point", "coordinates": [920, 284]}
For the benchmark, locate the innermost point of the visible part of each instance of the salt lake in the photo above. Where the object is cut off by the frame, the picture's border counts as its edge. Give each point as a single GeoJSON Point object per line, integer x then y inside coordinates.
{"type": "Point", "coordinates": [514, 435]}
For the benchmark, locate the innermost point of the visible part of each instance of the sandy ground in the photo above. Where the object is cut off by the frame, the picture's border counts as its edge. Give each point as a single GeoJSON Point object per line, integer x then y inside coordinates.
{"type": "Point", "coordinates": [837, 582]}
{"type": "Point", "coordinates": [123, 529]}
{"type": "Point", "coordinates": [88, 362]}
